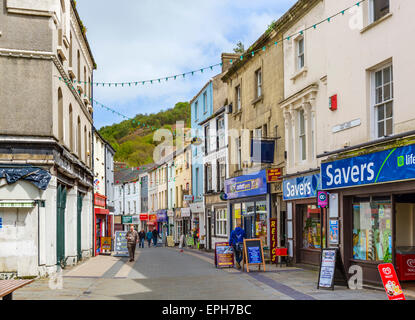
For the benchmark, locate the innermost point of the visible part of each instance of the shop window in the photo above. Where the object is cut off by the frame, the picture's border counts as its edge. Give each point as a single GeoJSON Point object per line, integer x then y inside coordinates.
{"type": "Point", "coordinates": [372, 229]}
{"type": "Point", "coordinates": [236, 214]}
{"type": "Point", "coordinates": [311, 227]}
{"type": "Point", "coordinates": [261, 221]}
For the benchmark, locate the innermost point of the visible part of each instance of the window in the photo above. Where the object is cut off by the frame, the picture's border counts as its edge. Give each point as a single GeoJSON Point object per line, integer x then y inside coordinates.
{"type": "Point", "coordinates": [208, 170]}
{"type": "Point", "coordinates": [135, 206]}
{"type": "Point", "coordinates": [383, 91]}
{"type": "Point", "coordinates": [60, 115]}
{"type": "Point", "coordinates": [302, 136]}
{"type": "Point", "coordinates": [205, 106]}
{"type": "Point", "coordinates": [221, 222]}
{"type": "Point", "coordinates": [128, 189]}
{"type": "Point", "coordinates": [300, 53]}
{"type": "Point", "coordinates": [207, 139]}
{"type": "Point", "coordinates": [196, 110]}
{"type": "Point", "coordinates": [258, 79]}
{"type": "Point", "coordinates": [197, 183]}
{"type": "Point", "coordinates": [119, 203]}
{"type": "Point", "coordinates": [135, 188]}
{"type": "Point", "coordinates": [378, 9]}
{"type": "Point", "coordinates": [71, 144]}
{"type": "Point", "coordinates": [311, 227]}
{"type": "Point", "coordinates": [372, 230]}
{"type": "Point", "coordinates": [220, 127]}
{"type": "Point", "coordinates": [238, 98]}
{"type": "Point", "coordinates": [221, 172]}
{"type": "Point", "coordinates": [258, 133]}
{"type": "Point", "coordinates": [129, 207]}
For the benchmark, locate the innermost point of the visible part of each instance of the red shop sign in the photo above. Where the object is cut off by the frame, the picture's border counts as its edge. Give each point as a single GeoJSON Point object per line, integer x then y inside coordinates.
{"type": "Point", "coordinates": [390, 282]}
{"type": "Point", "coordinates": [274, 240]}
{"type": "Point", "coordinates": [143, 217]}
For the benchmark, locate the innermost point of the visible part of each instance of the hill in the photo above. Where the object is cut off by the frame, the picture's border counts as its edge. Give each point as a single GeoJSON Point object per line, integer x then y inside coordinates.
{"type": "Point", "coordinates": [133, 139]}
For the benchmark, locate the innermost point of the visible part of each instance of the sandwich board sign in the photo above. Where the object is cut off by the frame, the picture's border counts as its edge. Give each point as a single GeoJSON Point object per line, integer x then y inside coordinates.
{"type": "Point", "coordinates": [331, 269]}
{"type": "Point", "coordinates": [253, 254]}
{"type": "Point", "coordinates": [390, 282]}
{"type": "Point", "coordinates": [120, 244]}
{"type": "Point", "coordinates": [223, 255]}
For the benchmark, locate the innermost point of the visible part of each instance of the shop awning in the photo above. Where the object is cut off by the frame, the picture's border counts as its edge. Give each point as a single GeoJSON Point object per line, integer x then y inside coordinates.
{"type": "Point", "coordinates": [17, 204]}
{"type": "Point", "coordinates": [101, 211]}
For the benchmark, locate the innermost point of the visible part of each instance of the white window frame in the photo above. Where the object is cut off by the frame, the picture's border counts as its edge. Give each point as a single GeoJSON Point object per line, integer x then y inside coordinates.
{"type": "Point", "coordinates": [375, 105]}
{"type": "Point", "coordinates": [221, 222]}
{"type": "Point", "coordinates": [300, 55]}
{"type": "Point", "coordinates": [239, 152]}
{"type": "Point", "coordinates": [302, 136]}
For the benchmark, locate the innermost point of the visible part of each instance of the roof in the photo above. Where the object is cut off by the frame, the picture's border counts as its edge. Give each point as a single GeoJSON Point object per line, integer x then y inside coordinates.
{"type": "Point", "coordinates": [84, 36]}
{"type": "Point", "coordinates": [130, 175]}
{"type": "Point", "coordinates": [201, 90]}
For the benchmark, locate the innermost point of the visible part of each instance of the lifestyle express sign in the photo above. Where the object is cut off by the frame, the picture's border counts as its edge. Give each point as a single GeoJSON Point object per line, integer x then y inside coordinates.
{"type": "Point", "coordinates": [380, 167]}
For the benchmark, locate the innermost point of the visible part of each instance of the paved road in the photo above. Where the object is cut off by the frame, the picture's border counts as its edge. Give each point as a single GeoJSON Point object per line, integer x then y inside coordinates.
{"type": "Point", "coordinates": [166, 273]}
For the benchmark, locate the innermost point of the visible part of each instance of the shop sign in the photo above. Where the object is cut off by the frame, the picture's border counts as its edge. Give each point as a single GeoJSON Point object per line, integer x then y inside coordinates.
{"type": "Point", "coordinates": [385, 166]}
{"type": "Point", "coordinates": [273, 175]}
{"type": "Point", "coordinates": [135, 219]}
{"type": "Point", "coordinates": [196, 207]}
{"type": "Point", "coordinates": [152, 218]}
{"type": "Point", "coordinates": [274, 239]}
{"type": "Point", "coordinates": [322, 199]}
{"type": "Point", "coordinates": [120, 245]}
{"type": "Point", "coordinates": [334, 232]}
{"type": "Point", "coordinates": [188, 197]}
{"type": "Point", "coordinates": [185, 212]}
{"type": "Point", "coordinates": [301, 187]}
{"type": "Point", "coordinates": [390, 282]}
{"type": "Point", "coordinates": [1, 223]}
{"type": "Point", "coordinates": [127, 219]}
{"type": "Point", "coordinates": [143, 217]}
{"type": "Point", "coordinates": [162, 216]}
{"type": "Point", "coordinates": [247, 185]}
{"type": "Point", "coordinates": [223, 255]}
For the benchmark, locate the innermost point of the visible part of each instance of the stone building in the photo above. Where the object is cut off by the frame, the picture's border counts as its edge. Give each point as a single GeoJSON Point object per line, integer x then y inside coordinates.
{"type": "Point", "coordinates": [46, 128]}
{"type": "Point", "coordinates": [256, 136]}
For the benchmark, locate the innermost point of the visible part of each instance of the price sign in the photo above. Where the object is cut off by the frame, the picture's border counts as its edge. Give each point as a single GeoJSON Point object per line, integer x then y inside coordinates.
{"type": "Point", "coordinates": [121, 249]}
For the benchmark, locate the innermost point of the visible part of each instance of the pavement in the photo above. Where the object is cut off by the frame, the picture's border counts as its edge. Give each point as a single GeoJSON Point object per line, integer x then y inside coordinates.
{"type": "Point", "coordinates": [167, 273]}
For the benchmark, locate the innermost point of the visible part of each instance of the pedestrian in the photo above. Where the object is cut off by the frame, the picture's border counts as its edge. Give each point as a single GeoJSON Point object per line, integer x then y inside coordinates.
{"type": "Point", "coordinates": [132, 239]}
{"type": "Point", "coordinates": [149, 237]}
{"type": "Point", "coordinates": [195, 236]}
{"type": "Point", "coordinates": [236, 240]}
{"type": "Point", "coordinates": [141, 237]}
{"type": "Point", "coordinates": [155, 236]}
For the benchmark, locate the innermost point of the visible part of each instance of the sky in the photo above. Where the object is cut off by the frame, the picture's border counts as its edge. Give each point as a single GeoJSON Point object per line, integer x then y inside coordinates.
{"type": "Point", "coordinates": [134, 40]}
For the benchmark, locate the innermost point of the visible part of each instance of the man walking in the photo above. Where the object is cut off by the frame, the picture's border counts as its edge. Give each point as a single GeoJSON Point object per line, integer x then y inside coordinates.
{"type": "Point", "coordinates": [132, 239]}
{"type": "Point", "coordinates": [149, 237]}
{"type": "Point", "coordinates": [236, 240]}
{"type": "Point", "coordinates": [141, 237]}
{"type": "Point", "coordinates": [155, 236]}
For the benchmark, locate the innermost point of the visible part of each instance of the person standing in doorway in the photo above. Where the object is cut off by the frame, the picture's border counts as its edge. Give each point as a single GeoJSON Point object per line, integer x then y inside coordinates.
{"type": "Point", "coordinates": [155, 236]}
{"type": "Point", "coordinates": [141, 237]}
{"type": "Point", "coordinates": [236, 240]}
{"type": "Point", "coordinates": [132, 239]}
{"type": "Point", "coordinates": [149, 237]}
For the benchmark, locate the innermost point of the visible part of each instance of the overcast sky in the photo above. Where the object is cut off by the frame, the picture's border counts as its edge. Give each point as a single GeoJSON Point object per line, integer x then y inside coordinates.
{"type": "Point", "coordinates": [136, 40]}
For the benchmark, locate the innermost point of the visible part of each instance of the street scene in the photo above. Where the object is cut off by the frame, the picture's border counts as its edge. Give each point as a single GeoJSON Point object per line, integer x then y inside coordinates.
{"type": "Point", "coordinates": [207, 150]}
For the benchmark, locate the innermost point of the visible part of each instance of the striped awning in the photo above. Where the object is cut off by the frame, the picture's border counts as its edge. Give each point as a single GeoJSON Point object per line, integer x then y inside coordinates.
{"type": "Point", "coordinates": [17, 204]}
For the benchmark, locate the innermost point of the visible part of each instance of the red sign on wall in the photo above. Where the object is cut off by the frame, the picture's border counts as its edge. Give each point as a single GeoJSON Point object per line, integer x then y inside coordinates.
{"type": "Point", "coordinates": [273, 175]}
{"type": "Point", "coordinates": [143, 217]}
{"type": "Point", "coordinates": [390, 282]}
{"type": "Point", "coordinates": [274, 239]}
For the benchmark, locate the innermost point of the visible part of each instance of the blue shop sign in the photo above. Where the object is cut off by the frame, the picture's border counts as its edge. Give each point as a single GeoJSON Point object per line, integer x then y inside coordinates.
{"type": "Point", "coordinates": [162, 216]}
{"type": "Point", "coordinates": [301, 187]}
{"type": "Point", "coordinates": [385, 166]}
{"type": "Point", "coordinates": [247, 185]}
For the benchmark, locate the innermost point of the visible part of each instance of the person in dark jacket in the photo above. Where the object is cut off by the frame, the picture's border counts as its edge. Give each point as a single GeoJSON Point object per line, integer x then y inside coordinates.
{"type": "Point", "coordinates": [132, 239]}
{"type": "Point", "coordinates": [236, 240]}
{"type": "Point", "coordinates": [149, 237]}
{"type": "Point", "coordinates": [141, 237]}
{"type": "Point", "coordinates": [155, 236]}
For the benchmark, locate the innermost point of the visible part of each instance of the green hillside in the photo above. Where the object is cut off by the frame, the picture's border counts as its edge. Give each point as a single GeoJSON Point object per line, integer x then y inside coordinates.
{"type": "Point", "coordinates": [133, 142]}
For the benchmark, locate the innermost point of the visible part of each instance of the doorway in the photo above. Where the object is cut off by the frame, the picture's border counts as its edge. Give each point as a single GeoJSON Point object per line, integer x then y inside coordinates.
{"type": "Point", "coordinates": [60, 224]}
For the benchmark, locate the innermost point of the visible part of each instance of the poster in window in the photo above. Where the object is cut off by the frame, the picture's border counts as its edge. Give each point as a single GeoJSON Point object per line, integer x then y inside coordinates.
{"type": "Point", "coordinates": [334, 232]}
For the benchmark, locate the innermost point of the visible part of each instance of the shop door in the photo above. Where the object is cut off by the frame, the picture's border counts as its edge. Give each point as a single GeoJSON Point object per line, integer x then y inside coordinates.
{"type": "Point", "coordinates": [78, 228]}
{"type": "Point", "coordinates": [60, 224]}
{"type": "Point", "coordinates": [210, 231]}
{"type": "Point", "coordinates": [248, 225]}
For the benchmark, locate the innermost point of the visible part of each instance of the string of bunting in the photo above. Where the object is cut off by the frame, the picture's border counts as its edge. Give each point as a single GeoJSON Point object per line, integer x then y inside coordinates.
{"type": "Point", "coordinates": [242, 56]}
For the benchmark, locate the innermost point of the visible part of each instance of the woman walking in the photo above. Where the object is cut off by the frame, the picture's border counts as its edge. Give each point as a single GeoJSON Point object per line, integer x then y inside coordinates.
{"type": "Point", "coordinates": [149, 238]}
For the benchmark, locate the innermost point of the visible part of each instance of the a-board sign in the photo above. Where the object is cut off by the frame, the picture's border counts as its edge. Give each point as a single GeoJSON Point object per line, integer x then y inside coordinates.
{"type": "Point", "coordinates": [190, 241]}
{"type": "Point", "coordinates": [390, 281]}
{"type": "Point", "coordinates": [253, 253]}
{"type": "Point", "coordinates": [331, 269]}
{"type": "Point", "coordinates": [105, 244]}
{"type": "Point", "coordinates": [120, 245]}
{"type": "Point", "coordinates": [170, 241]}
{"type": "Point", "coordinates": [223, 255]}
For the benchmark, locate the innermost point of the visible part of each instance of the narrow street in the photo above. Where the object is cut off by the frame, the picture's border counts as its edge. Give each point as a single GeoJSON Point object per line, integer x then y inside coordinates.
{"type": "Point", "coordinates": [167, 273]}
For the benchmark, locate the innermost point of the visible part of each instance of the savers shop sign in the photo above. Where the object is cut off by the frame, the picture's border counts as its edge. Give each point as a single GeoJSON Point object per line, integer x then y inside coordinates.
{"type": "Point", "coordinates": [385, 166]}
{"type": "Point", "coordinates": [301, 187]}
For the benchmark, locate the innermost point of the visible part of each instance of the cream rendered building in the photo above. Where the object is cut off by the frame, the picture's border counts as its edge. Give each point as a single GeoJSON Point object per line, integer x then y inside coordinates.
{"type": "Point", "coordinates": [45, 124]}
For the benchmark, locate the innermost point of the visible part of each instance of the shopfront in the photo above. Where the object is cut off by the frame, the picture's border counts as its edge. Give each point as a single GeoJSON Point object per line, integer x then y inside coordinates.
{"type": "Point", "coordinates": [306, 222]}
{"type": "Point", "coordinates": [162, 224]}
{"type": "Point", "coordinates": [198, 221]}
{"type": "Point", "coordinates": [186, 221]}
{"type": "Point", "coordinates": [249, 204]}
{"type": "Point", "coordinates": [103, 223]}
{"type": "Point", "coordinates": [170, 217]}
{"type": "Point", "coordinates": [376, 197]}
{"type": "Point", "coordinates": [143, 221]}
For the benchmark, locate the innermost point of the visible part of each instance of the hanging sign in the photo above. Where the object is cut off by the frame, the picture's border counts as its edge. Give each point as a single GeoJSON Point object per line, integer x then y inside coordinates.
{"type": "Point", "coordinates": [390, 282]}
{"type": "Point", "coordinates": [322, 199]}
{"type": "Point", "coordinates": [120, 245]}
{"type": "Point", "coordinates": [274, 240]}
{"type": "Point", "coordinates": [331, 269]}
{"type": "Point", "coordinates": [273, 175]}
{"type": "Point", "coordinates": [253, 253]}
{"type": "Point", "coordinates": [223, 255]}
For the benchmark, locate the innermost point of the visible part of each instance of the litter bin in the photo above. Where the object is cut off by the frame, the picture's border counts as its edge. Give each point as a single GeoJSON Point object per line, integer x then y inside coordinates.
{"type": "Point", "coordinates": [405, 263]}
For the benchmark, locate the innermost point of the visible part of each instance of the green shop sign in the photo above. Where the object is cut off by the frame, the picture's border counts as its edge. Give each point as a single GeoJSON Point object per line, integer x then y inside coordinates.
{"type": "Point", "coordinates": [127, 219]}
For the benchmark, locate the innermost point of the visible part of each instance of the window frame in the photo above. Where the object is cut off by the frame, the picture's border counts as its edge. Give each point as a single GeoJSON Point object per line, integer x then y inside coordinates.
{"type": "Point", "coordinates": [258, 83]}
{"type": "Point", "coordinates": [372, 18]}
{"type": "Point", "coordinates": [205, 102]}
{"type": "Point", "coordinates": [375, 105]}
{"type": "Point", "coordinates": [238, 98]}
{"type": "Point", "coordinates": [300, 55]}
{"type": "Point", "coordinates": [302, 136]}
{"type": "Point", "coordinates": [221, 222]}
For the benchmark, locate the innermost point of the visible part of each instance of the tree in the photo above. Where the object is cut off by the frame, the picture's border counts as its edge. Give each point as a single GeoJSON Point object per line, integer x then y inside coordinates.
{"type": "Point", "coordinates": [239, 48]}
